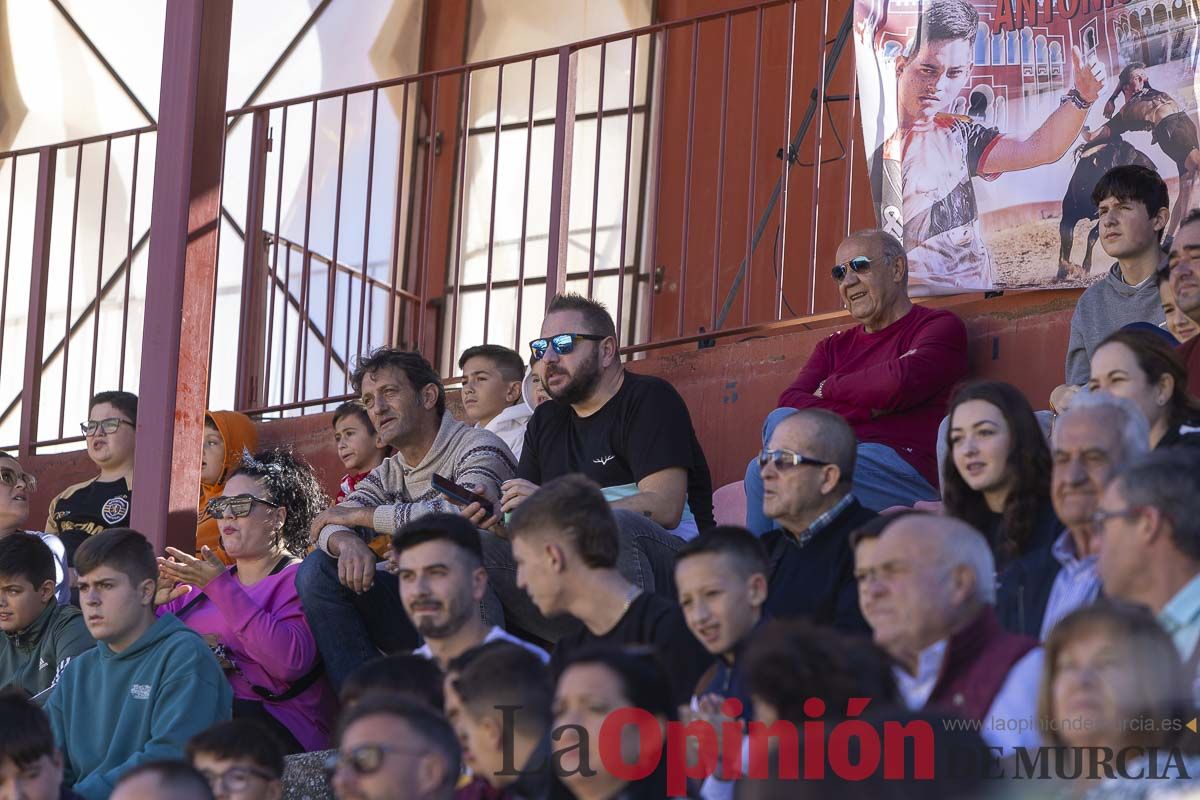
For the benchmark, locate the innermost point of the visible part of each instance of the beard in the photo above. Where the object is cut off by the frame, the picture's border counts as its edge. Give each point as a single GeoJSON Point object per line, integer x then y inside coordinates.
{"type": "Point", "coordinates": [581, 384]}
{"type": "Point", "coordinates": [457, 614]}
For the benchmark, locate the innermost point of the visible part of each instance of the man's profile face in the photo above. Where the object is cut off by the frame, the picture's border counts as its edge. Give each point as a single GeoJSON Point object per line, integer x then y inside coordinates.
{"type": "Point", "coordinates": [479, 747]}
{"type": "Point", "coordinates": [1184, 263]}
{"type": "Point", "coordinates": [536, 573]}
{"type": "Point", "coordinates": [571, 378]}
{"type": "Point", "coordinates": [40, 779]}
{"type": "Point", "coordinates": [792, 490]}
{"type": "Point", "coordinates": [930, 80]}
{"type": "Point", "coordinates": [21, 602]}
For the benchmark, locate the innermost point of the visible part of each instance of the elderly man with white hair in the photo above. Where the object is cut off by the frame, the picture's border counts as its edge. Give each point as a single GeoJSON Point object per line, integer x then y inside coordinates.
{"type": "Point", "coordinates": [926, 585]}
{"type": "Point", "coordinates": [1098, 435]}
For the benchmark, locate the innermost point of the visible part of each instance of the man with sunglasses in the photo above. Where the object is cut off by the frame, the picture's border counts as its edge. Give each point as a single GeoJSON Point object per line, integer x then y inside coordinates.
{"type": "Point", "coordinates": [889, 377]}
{"type": "Point", "coordinates": [1146, 529]}
{"type": "Point", "coordinates": [240, 759]}
{"type": "Point", "coordinates": [102, 502]}
{"type": "Point", "coordinates": [394, 748]}
{"type": "Point", "coordinates": [16, 485]}
{"type": "Point", "coordinates": [805, 469]}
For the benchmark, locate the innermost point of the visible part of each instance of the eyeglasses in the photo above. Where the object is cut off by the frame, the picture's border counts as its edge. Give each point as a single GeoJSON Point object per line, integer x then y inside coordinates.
{"type": "Point", "coordinates": [563, 343]}
{"type": "Point", "coordinates": [235, 779]}
{"type": "Point", "coordinates": [859, 265]}
{"type": "Point", "coordinates": [108, 426]}
{"type": "Point", "coordinates": [786, 459]}
{"type": "Point", "coordinates": [366, 759]}
{"type": "Point", "coordinates": [11, 477]}
{"type": "Point", "coordinates": [235, 507]}
{"type": "Point", "coordinates": [1101, 517]}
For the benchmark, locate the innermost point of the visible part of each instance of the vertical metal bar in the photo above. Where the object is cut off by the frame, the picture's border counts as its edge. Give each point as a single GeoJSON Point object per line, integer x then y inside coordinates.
{"type": "Point", "coordinates": [626, 180]}
{"type": "Point", "coordinates": [283, 337]}
{"type": "Point", "coordinates": [487, 297]}
{"type": "Point", "coordinates": [100, 266]}
{"type": "Point", "coordinates": [12, 196]}
{"type": "Point", "coordinates": [817, 156]}
{"type": "Point", "coordinates": [658, 110]}
{"type": "Point", "coordinates": [331, 292]}
{"type": "Point", "coordinates": [137, 145]}
{"type": "Point", "coordinates": [687, 178]}
{"type": "Point", "coordinates": [250, 353]}
{"type": "Point", "coordinates": [785, 163]}
{"type": "Point", "coordinates": [560, 187]}
{"type": "Point", "coordinates": [390, 341]}
{"type": "Point", "coordinates": [752, 167]}
{"type": "Point", "coordinates": [428, 201]}
{"type": "Point", "coordinates": [43, 223]}
{"type": "Point", "coordinates": [716, 278]}
{"type": "Point", "coordinates": [273, 284]}
{"type": "Point", "coordinates": [525, 205]}
{"type": "Point", "coordinates": [62, 406]}
{"type": "Point", "coordinates": [849, 159]}
{"type": "Point", "coordinates": [306, 260]}
{"type": "Point", "coordinates": [596, 172]}
{"type": "Point", "coordinates": [212, 322]}
{"type": "Point", "coordinates": [463, 140]}
{"type": "Point", "coordinates": [362, 296]}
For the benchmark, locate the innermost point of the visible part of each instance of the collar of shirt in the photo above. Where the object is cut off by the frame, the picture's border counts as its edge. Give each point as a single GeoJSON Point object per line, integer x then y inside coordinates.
{"type": "Point", "coordinates": [1063, 551]}
{"type": "Point", "coordinates": [1183, 610]}
{"type": "Point", "coordinates": [915, 689]}
{"type": "Point", "coordinates": [823, 521]}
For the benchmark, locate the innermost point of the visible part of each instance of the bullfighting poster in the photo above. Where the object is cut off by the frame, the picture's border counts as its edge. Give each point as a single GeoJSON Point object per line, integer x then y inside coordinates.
{"type": "Point", "coordinates": [988, 122]}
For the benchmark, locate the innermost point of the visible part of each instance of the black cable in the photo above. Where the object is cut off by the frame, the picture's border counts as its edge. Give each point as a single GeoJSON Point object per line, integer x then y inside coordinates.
{"type": "Point", "coordinates": [777, 268]}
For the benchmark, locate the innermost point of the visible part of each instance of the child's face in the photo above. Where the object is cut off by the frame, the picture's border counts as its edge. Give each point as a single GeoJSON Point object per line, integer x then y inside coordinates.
{"type": "Point", "coordinates": [540, 395]}
{"type": "Point", "coordinates": [21, 602]}
{"type": "Point", "coordinates": [357, 444]}
{"type": "Point", "coordinates": [111, 450]}
{"type": "Point", "coordinates": [40, 779]}
{"type": "Point", "coordinates": [212, 462]}
{"type": "Point", "coordinates": [929, 81]}
{"type": "Point", "coordinates": [485, 393]}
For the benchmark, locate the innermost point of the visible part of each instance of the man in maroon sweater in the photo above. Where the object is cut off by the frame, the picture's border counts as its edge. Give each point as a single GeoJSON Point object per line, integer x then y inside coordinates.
{"type": "Point", "coordinates": [890, 377]}
{"type": "Point", "coordinates": [1183, 270]}
{"type": "Point", "coordinates": [927, 587]}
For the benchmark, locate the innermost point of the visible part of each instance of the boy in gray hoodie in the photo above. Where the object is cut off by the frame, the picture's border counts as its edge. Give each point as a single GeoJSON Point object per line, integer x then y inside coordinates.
{"type": "Point", "coordinates": [1134, 207]}
{"type": "Point", "coordinates": [148, 686]}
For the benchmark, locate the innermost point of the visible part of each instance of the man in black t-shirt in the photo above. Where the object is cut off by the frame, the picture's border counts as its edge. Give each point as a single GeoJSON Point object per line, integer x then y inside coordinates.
{"type": "Point", "coordinates": [565, 544]}
{"type": "Point", "coordinates": [630, 433]}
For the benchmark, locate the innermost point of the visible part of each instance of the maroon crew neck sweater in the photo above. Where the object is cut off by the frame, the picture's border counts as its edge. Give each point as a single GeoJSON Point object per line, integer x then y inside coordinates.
{"type": "Point", "coordinates": [893, 385]}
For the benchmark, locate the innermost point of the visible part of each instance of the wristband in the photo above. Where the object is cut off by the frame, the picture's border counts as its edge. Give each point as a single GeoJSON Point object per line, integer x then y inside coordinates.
{"type": "Point", "coordinates": [1075, 97]}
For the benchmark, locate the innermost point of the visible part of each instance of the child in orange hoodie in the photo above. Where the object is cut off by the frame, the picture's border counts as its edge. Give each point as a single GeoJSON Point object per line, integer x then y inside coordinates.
{"type": "Point", "coordinates": [226, 435]}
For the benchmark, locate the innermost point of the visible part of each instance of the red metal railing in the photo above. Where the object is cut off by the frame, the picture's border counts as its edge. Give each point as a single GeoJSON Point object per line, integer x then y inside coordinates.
{"type": "Point", "coordinates": [441, 210]}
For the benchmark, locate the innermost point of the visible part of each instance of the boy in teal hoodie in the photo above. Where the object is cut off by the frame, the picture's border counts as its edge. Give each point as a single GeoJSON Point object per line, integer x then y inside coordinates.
{"type": "Point", "coordinates": [148, 686]}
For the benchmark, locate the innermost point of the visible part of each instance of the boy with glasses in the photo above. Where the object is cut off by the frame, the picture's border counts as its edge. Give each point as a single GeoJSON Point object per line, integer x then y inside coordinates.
{"type": "Point", "coordinates": [101, 502]}
{"type": "Point", "coordinates": [40, 637]}
{"type": "Point", "coordinates": [240, 759]}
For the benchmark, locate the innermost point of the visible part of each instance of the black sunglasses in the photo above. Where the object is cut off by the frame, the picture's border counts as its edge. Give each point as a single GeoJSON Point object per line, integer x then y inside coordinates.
{"type": "Point", "coordinates": [786, 459]}
{"type": "Point", "coordinates": [235, 507]}
{"type": "Point", "coordinates": [859, 265]}
{"type": "Point", "coordinates": [365, 759]}
{"type": "Point", "coordinates": [563, 343]}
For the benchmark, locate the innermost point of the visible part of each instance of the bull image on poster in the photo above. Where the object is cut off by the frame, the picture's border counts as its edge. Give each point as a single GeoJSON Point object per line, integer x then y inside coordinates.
{"type": "Point", "coordinates": [987, 123]}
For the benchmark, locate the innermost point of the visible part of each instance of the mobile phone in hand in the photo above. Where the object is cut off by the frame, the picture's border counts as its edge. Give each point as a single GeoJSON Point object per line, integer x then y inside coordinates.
{"type": "Point", "coordinates": [460, 495]}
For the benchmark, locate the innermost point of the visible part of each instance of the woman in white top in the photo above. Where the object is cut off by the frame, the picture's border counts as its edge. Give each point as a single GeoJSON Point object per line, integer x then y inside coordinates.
{"type": "Point", "coordinates": [16, 485]}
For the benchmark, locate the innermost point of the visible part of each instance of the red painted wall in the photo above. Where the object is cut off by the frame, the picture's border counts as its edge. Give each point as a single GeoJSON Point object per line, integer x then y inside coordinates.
{"type": "Point", "coordinates": [1019, 338]}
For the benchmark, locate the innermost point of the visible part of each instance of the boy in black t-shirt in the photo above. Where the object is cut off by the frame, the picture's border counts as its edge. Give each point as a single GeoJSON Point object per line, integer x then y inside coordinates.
{"type": "Point", "coordinates": [565, 543]}
{"type": "Point", "coordinates": [101, 502]}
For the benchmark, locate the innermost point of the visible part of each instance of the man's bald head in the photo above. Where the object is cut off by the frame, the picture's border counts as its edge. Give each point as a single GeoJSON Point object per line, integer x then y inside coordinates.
{"type": "Point", "coordinates": [822, 435]}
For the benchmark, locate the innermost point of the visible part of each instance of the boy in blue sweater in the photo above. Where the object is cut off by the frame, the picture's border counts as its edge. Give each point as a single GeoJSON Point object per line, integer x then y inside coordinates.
{"type": "Point", "coordinates": [149, 685]}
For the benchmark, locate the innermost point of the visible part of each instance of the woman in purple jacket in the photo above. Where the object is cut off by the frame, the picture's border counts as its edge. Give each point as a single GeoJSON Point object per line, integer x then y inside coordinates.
{"type": "Point", "coordinates": [250, 613]}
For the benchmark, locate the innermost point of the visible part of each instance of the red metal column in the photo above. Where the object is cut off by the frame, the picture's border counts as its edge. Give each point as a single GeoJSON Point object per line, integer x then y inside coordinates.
{"type": "Point", "coordinates": [43, 222]}
{"type": "Point", "coordinates": [251, 356]}
{"type": "Point", "coordinates": [560, 188]}
{"type": "Point", "coordinates": [184, 221]}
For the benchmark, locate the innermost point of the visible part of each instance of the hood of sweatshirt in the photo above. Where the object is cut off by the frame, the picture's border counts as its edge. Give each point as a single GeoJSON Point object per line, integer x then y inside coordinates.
{"type": "Point", "coordinates": [238, 433]}
{"type": "Point", "coordinates": [164, 627]}
{"type": "Point", "coordinates": [527, 390]}
{"type": "Point", "coordinates": [1116, 282]}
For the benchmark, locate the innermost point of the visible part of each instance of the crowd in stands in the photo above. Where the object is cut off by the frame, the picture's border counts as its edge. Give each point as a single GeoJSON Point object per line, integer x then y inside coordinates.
{"type": "Point", "coordinates": [483, 595]}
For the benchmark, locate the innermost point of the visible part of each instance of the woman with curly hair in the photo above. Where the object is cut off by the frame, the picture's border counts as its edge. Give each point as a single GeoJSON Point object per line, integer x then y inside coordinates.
{"type": "Point", "coordinates": [250, 613]}
{"type": "Point", "coordinates": [997, 470]}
